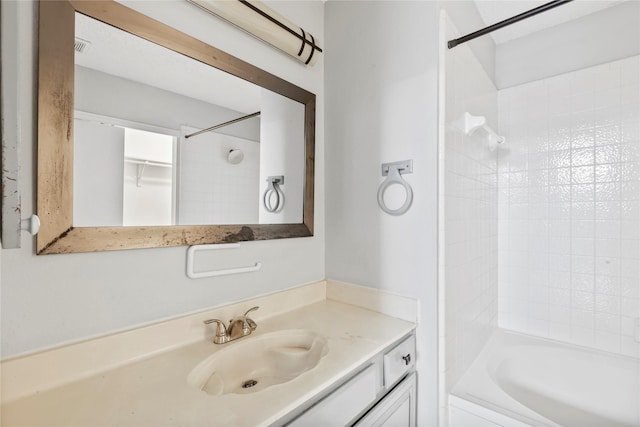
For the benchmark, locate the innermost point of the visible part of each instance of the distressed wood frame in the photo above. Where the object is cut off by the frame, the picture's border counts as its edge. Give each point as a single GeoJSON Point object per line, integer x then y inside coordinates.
{"type": "Point", "coordinates": [55, 135]}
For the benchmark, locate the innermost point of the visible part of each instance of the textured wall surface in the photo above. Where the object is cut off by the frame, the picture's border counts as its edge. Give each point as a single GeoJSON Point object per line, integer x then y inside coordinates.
{"type": "Point", "coordinates": [570, 207]}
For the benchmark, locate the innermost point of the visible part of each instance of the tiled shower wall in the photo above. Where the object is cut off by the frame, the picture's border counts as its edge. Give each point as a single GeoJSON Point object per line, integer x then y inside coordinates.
{"type": "Point", "coordinates": [470, 214]}
{"type": "Point", "coordinates": [569, 214]}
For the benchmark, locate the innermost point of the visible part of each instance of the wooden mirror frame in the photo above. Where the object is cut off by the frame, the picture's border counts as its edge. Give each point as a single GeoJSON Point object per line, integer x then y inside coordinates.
{"type": "Point", "coordinates": [55, 135]}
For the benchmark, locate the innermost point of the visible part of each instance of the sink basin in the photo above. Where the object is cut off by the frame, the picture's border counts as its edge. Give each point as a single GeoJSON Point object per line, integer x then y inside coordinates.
{"type": "Point", "coordinates": [257, 362]}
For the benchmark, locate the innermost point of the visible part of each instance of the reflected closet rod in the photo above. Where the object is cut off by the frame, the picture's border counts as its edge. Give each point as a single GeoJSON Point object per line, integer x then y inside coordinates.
{"type": "Point", "coordinates": [547, 6]}
{"type": "Point", "coordinates": [230, 122]}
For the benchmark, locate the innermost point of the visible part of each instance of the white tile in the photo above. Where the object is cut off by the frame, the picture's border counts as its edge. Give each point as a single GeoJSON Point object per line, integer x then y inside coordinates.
{"type": "Point", "coordinates": [607, 150]}
{"type": "Point", "coordinates": [607, 229]}
{"type": "Point", "coordinates": [582, 336]}
{"type": "Point", "coordinates": [583, 229]}
{"type": "Point", "coordinates": [559, 331]}
{"type": "Point", "coordinates": [609, 116]}
{"type": "Point", "coordinates": [629, 347]}
{"type": "Point", "coordinates": [607, 341]}
{"type": "Point", "coordinates": [630, 71]}
{"type": "Point", "coordinates": [560, 279]}
{"type": "Point", "coordinates": [630, 152]}
{"type": "Point", "coordinates": [606, 322]}
{"type": "Point", "coordinates": [583, 282]}
{"type": "Point", "coordinates": [629, 287]}
{"type": "Point", "coordinates": [574, 213]}
{"type": "Point", "coordinates": [629, 189]}
{"type": "Point", "coordinates": [582, 301]}
{"type": "Point", "coordinates": [559, 211]}
{"type": "Point", "coordinates": [607, 76]}
{"type": "Point", "coordinates": [608, 304]}
{"type": "Point", "coordinates": [559, 176]}
{"type": "Point", "coordinates": [583, 101]}
{"type": "Point", "coordinates": [630, 307]}
{"type": "Point", "coordinates": [607, 97]}
{"type": "Point", "coordinates": [630, 94]}
{"type": "Point", "coordinates": [559, 298]}
{"type": "Point", "coordinates": [630, 229]}
{"type": "Point", "coordinates": [583, 137]}
{"type": "Point", "coordinates": [606, 266]}
{"type": "Point", "coordinates": [559, 263]}
{"type": "Point", "coordinates": [582, 189]}
{"type": "Point", "coordinates": [610, 210]}
{"type": "Point", "coordinates": [583, 175]}
{"type": "Point", "coordinates": [583, 156]}
{"type": "Point", "coordinates": [607, 191]}
{"type": "Point", "coordinates": [607, 285]}
{"type": "Point", "coordinates": [630, 248]}
{"type": "Point", "coordinates": [608, 172]}
{"type": "Point", "coordinates": [627, 326]}
{"type": "Point", "coordinates": [585, 80]}
{"type": "Point", "coordinates": [582, 319]}
{"type": "Point", "coordinates": [607, 248]}
{"type": "Point", "coordinates": [560, 159]}
{"type": "Point", "coordinates": [583, 210]}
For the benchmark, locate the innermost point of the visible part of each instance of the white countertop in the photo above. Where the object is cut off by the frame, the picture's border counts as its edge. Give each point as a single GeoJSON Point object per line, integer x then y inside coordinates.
{"type": "Point", "coordinates": [154, 391]}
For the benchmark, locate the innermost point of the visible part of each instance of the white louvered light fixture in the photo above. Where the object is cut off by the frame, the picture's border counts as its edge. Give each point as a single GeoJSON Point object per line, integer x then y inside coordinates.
{"type": "Point", "coordinates": [264, 23]}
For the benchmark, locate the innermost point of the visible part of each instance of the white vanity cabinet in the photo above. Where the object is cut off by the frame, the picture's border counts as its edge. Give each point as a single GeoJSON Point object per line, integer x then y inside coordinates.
{"type": "Point", "coordinates": [381, 393]}
{"type": "Point", "coordinates": [396, 409]}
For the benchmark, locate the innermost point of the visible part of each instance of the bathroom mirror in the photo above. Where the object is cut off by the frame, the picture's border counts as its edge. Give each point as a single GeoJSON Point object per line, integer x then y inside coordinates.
{"type": "Point", "coordinates": [104, 155]}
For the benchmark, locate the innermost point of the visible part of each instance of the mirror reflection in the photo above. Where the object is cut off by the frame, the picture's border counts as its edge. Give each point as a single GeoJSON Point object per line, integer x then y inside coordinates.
{"type": "Point", "coordinates": [162, 139]}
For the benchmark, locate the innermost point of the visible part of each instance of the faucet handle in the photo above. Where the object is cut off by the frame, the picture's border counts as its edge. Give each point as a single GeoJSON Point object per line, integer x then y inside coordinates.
{"type": "Point", "coordinates": [221, 331]}
{"type": "Point", "coordinates": [251, 309]}
{"type": "Point", "coordinates": [250, 322]}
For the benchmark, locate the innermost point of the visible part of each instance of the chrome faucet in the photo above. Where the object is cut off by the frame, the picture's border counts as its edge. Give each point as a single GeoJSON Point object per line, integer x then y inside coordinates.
{"type": "Point", "coordinates": [239, 327]}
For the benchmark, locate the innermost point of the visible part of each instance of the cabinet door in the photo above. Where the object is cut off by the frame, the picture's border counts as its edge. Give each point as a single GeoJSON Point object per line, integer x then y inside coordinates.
{"type": "Point", "coordinates": [344, 404]}
{"type": "Point", "coordinates": [397, 409]}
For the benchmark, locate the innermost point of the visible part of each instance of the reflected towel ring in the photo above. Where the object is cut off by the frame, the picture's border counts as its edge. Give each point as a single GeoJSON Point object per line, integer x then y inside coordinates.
{"type": "Point", "coordinates": [393, 173]}
{"type": "Point", "coordinates": [273, 188]}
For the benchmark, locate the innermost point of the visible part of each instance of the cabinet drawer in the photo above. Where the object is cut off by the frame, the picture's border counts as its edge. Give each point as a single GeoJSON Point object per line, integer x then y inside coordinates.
{"type": "Point", "coordinates": [399, 360]}
{"type": "Point", "coordinates": [344, 404]}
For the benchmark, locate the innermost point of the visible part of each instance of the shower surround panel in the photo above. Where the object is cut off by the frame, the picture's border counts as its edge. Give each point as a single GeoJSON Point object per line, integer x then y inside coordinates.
{"type": "Point", "coordinates": [569, 207]}
{"type": "Point", "coordinates": [470, 214]}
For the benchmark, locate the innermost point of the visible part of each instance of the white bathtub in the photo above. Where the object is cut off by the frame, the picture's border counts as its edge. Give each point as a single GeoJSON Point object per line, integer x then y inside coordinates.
{"type": "Point", "coordinates": [519, 380]}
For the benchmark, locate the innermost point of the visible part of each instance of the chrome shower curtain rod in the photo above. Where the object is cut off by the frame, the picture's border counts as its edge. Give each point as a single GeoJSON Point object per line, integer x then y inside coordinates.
{"type": "Point", "coordinates": [547, 6]}
{"type": "Point", "coordinates": [230, 122]}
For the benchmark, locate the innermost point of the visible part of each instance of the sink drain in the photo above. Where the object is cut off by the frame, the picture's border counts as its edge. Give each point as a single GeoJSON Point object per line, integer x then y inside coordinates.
{"type": "Point", "coordinates": [249, 383]}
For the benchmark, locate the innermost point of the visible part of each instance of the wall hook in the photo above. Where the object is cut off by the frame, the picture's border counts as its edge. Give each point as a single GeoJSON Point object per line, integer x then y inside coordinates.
{"type": "Point", "coordinates": [393, 171]}
{"type": "Point", "coordinates": [31, 224]}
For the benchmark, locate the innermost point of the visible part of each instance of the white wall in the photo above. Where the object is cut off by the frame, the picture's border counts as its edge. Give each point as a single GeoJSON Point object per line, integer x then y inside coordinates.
{"type": "Point", "coordinates": [147, 191]}
{"type": "Point", "coordinates": [98, 174]}
{"type": "Point", "coordinates": [468, 19]}
{"type": "Point", "coordinates": [570, 207]}
{"type": "Point", "coordinates": [108, 95]}
{"type": "Point", "coordinates": [469, 226]}
{"type": "Point", "coordinates": [52, 299]}
{"type": "Point", "coordinates": [281, 153]}
{"type": "Point", "coordinates": [381, 78]}
{"type": "Point", "coordinates": [598, 38]}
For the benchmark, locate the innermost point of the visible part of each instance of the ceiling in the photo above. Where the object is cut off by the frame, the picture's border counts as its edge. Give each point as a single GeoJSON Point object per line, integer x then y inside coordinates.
{"type": "Point", "coordinates": [118, 53]}
{"type": "Point", "coordinates": [493, 11]}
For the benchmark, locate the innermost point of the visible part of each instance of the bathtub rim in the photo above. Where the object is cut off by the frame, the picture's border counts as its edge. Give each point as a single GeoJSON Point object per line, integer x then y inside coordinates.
{"type": "Point", "coordinates": [477, 388]}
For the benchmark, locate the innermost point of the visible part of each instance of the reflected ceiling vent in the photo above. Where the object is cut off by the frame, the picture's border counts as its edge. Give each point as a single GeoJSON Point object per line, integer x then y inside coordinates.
{"type": "Point", "coordinates": [81, 46]}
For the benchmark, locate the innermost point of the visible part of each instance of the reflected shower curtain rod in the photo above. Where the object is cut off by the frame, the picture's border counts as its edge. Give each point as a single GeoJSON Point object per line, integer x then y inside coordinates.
{"type": "Point", "coordinates": [547, 6]}
{"type": "Point", "coordinates": [230, 122]}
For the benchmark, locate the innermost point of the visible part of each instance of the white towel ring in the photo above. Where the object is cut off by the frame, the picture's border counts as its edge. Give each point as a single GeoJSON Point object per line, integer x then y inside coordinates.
{"type": "Point", "coordinates": [394, 177]}
{"type": "Point", "coordinates": [273, 188]}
